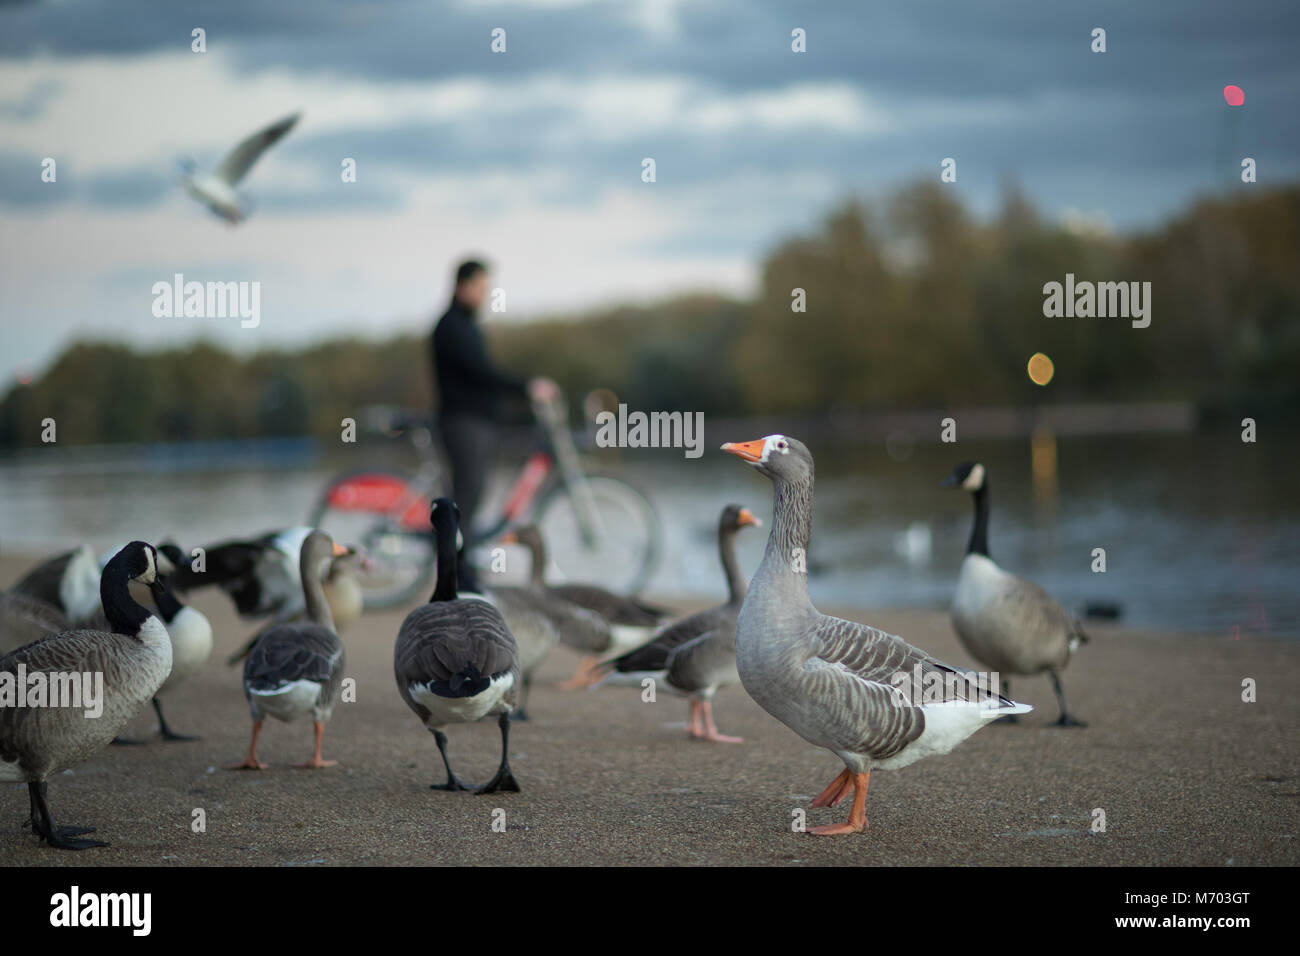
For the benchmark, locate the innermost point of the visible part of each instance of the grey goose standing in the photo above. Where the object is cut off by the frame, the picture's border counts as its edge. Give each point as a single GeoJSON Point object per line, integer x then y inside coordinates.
{"type": "Point", "coordinates": [697, 655]}
{"type": "Point", "coordinates": [1005, 622]}
{"type": "Point", "coordinates": [626, 622]}
{"type": "Point", "coordinates": [134, 659]}
{"type": "Point", "coordinates": [456, 661]}
{"type": "Point", "coordinates": [838, 684]}
{"type": "Point", "coordinates": [296, 668]}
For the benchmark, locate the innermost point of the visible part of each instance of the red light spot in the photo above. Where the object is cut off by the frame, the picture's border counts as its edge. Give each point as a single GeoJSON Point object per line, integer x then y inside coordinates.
{"type": "Point", "coordinates": [1234, 95]}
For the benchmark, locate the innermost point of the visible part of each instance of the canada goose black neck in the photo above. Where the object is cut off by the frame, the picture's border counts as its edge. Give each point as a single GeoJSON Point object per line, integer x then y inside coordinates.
{"type": "Point", "coordinates": [166, 602]}
{"type": "Point", "coordinates": [979, 533]}
{"type": "Point", "coordinates": [124, 615]}
{"type": "Point", "coordinates": [444, 534]}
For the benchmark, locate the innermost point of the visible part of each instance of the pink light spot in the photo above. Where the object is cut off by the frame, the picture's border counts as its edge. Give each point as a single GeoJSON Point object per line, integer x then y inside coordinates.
{"type": "Point", "coordinates": [1234, 95]}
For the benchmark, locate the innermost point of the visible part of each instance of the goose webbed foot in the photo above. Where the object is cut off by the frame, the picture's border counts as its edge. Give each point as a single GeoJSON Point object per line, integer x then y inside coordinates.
{"type": "Point", "coordinates": [166, 732]}
{"type": "Point", "coordinates": [519, 715]}
{"type": "Point", "coordinates": [453, 782]}
{"type": "Point", "coordinates": [709, 731]}
{"type": "Point", "coordinates": [61, 838]}
{"type": "Point", "coordinates": [1065, 720]}
{"type": "Point", "coordinates": [126, 742]}
{"type": "Point", "coordinates": [250, 762]}
{"type": "Point", "coordinates": [504, 781]}
{"type": "Point", "coordinates": [857, 821]}
{"type": "Point", "coordinates": [839, 789]}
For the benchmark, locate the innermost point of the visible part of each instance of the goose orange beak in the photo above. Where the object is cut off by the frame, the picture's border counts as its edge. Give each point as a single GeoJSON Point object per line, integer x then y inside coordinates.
{"type": "Point", "coordinates": [339, 550]}
{"type": "Point", "coordinates": [747, 517]}
{"type": "Point", "coordinates": [510, 538]}
{"type": "Point", "coordinates": [746, 450]}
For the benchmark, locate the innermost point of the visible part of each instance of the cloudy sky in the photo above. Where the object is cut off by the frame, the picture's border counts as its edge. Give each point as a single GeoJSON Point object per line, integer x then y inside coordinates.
{"type": "Point", "coordinates": [533, 157]}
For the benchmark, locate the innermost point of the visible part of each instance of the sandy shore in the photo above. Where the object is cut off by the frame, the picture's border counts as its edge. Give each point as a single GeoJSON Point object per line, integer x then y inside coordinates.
{"type": "Point", "coordinates": [1184, 771]}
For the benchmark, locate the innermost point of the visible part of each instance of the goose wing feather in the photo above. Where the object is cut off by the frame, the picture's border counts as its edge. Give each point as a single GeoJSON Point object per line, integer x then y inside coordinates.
{"type": "Point", "coordinates": [294, 652]}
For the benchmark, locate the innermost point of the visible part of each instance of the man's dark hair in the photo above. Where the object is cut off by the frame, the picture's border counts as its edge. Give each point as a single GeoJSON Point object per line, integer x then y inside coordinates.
{"type": "Point", "coordinates": [468, 270]}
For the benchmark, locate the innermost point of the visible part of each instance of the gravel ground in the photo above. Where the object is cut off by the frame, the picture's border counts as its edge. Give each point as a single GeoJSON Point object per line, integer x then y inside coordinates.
{"type": "Point", "coordinates": [1185, 772]}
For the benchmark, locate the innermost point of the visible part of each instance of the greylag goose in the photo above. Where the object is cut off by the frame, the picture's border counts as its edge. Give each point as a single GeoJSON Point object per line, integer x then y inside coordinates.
{"type": "Point", "coordinates": [340, 584]}
{"type": "Point", "coordinates": [1005, 622]}
{"type": "Point", "coordinates": [296, 668]}
{"type": "Point", "coordinates": [628, 622]}
{"type": "Point", "coordinates": [24, 619]}
{"type": "Point", "coordinates": [456, 661]}
{"type": "Point", "coordinates": [69, 581]}
{"type": "Point", "coordinates": [697, 655]}
{"type": "Point", "coordinates": [838, 684]}
{"type": "Point", "coordinates": [133, 659]}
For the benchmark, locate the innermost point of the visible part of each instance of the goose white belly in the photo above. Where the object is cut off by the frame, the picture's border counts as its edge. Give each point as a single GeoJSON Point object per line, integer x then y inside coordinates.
{"type": "Point", "coordinates": [191, 637]}
{"type": "Point", "coordinates": [463, 710]}
{"type": "Point", "coordinates": [289, 701]}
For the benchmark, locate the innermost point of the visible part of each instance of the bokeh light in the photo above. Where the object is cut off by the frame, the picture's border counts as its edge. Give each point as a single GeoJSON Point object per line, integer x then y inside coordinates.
{"type": "Point", "coordinates": [1040, 368]}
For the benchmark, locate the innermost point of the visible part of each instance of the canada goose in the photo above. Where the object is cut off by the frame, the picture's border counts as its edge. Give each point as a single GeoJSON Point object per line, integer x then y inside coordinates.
{"type": "Point", "coordinates": [133, 660]}
{"type": "Point", "coordinates": [629, 622]}
{"type": "Point", "coordinates": [217, 189]}
{"type": "Point", "coordinates": [456, 661]}
{"type": "Point", "coordinates": [191, 637]}
{"type": "Point", "coordinates": [340, 584]}
{"type": "Point", "coordinates": [836, 683]}
{"type": "Point", "coordinates": [296, 668]}
{"type": "Point", "coordinates": [697, 655]}
{"type": "Point", "coordinates": [69, 581]}
{"type": "Point", "coordinates": [1005, 622]}
{"type": "Point", "coordinates": [24, 619]}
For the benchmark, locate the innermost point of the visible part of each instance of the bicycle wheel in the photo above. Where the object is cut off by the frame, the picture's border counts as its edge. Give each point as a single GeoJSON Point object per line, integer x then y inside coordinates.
{"type": "Point", "coordinates": [623, 550]}
{"type": "Point", "coordinates": [386, 515]}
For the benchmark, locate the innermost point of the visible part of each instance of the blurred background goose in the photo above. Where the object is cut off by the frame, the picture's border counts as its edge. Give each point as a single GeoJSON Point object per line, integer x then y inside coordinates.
{"type": "Point", "coordinates": [133, 658]}
{"type": "Point", "coordinates": [697, 655]}
{"type": "Point", "coordinates": [69, 581]}
{"type": "Point", "coordinates": [1005, 622]}
{"type": "Point", "coordinates": [24, 619]}
{"type": "Point", "coordinates": [455, 660]}
{"type": "Point", "coordinates": [296, 668]}
{"type": "Point", "coordinates": [627, 622]}
{"type": "Point", "coordinates": [216, 190]}
{"type": "Point", "coordinates": [835, 682]}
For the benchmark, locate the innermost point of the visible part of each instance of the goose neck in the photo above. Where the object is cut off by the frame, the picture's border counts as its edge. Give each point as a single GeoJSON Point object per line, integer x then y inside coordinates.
{"type": "Point", "coordinates": [124, 614]}
{"type": "Point", "coordinates": [979, 533]}
{"type": "Point", "coordinates": [736, 583]}
{"type": "Point", "coordinates": [313, 589]}
{"type": "Point", "coordinates": [445, 542]}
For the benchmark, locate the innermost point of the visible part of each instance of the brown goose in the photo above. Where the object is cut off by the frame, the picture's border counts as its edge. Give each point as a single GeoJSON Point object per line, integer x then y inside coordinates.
{"type": "Point", "coordinates": [456, 661]}
{"type": "Point", "coordinates": [628, 623]}
{"type": "Point", "coordinates": [24, 619]}
{"type": "Point", "coordinates": [697, 655]}
{"type": "Point", "coordinates": [296, 668]}
{"type": "Point", "coordinates": [1005, 622]}
{"type": "Point", "coordinates": [132, 660]}
{"type": "Point", "coordinates": [840, 685]}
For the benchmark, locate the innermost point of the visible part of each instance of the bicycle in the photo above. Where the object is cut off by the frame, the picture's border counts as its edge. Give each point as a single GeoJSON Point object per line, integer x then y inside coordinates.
{"type": "Point", "coordinates": [597, 526]}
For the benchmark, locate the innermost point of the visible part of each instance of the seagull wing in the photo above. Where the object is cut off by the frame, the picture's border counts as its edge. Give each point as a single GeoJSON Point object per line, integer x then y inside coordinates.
{"type": "Point", "coordinates": [241, 159]}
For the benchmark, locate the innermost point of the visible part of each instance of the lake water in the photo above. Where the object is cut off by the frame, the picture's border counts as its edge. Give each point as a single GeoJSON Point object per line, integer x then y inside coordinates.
{"type": "Point", "coordinates": [1201, 532]}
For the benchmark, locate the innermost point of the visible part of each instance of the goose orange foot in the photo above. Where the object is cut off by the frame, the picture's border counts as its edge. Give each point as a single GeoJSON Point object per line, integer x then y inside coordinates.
{"type": "Point", "coordinates": [857, 821]}
{"type": "Point", "coordinates": [316, 763]}
{"type": "Point", "coordinates": [837, 791]}
{"type": "Point", "coordinates": [584, 676]}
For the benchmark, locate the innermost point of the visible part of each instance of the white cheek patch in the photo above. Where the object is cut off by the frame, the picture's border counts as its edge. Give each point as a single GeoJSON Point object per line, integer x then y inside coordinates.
{"type": "Point", "coordinates": [150, 569]}
{"type": "Point", "coordinates": [975, 479]}
{"type": "Point", "coordinates": [772, 443]}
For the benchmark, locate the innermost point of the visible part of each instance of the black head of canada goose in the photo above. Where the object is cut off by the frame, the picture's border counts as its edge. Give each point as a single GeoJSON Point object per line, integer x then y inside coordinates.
{"type": "Point", "coordinates": [1005, 622]}
{"type": "Point", "coordinates": [456, 661]}
{"type": "Point", "coordinates": [697, 655]}
{"type": "Point", "coordinates": [296, 668]}
{"type": "Point", "coordinates": [837, 683]}
{"type": "Point", "coordinates": [133, 659]}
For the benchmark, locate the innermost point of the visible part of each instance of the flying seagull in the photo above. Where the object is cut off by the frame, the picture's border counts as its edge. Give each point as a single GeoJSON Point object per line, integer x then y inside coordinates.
{"type": "Point", "coordinates": [217, 190]}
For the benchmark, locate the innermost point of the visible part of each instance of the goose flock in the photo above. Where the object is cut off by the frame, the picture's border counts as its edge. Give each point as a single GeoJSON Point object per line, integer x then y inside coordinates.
{"type": "Point", "coordinates": [471, 652]}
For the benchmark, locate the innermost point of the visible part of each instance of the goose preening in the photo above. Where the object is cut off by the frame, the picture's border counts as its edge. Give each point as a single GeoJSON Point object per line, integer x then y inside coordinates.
{"type": "Point", "coordinates": [69, 581]}
{"type": "Point", "coordinates": [134, 659]}
{"type": "Point", "coordinates": [296, 668]}
{"type": "Point", "coordinates": [697, 655]}
{"type": "Point", "coordinates": [835, 682]}
{"type": "Point", "coordinates": [216, 190]}
{"type": "Point", "coordinates": [1005, 622]}
{"type": "Point", "coordinates": [24, 619]}
{"type": "Point", "coordinates": [626, 622]}
{"type": "Point", "coordinates": [456, 661]}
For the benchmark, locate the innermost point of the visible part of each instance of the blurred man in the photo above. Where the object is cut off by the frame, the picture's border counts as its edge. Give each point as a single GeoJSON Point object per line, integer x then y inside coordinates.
{"type": "Point", "coordinates": [470, 386]}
